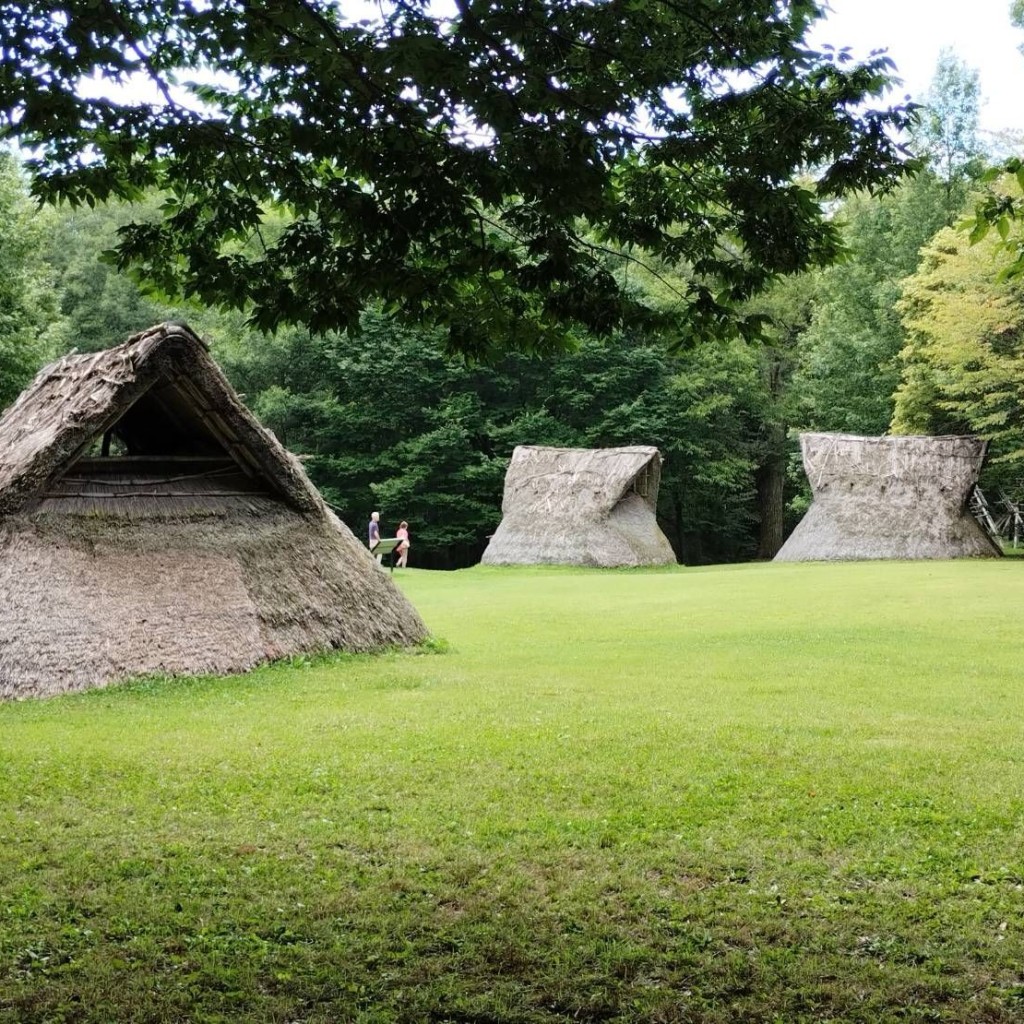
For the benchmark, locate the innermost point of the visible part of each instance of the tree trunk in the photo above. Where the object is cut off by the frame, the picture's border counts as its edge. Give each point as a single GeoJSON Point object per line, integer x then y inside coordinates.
{"type": "Point", "coordinates": [770, 479]}
{"type": "Point", "coordinates": [677, 515]}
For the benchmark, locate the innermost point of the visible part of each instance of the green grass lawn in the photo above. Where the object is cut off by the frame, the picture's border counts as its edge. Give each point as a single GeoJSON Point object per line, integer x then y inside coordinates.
{"type": "Point", "coordinates": [768, 793]}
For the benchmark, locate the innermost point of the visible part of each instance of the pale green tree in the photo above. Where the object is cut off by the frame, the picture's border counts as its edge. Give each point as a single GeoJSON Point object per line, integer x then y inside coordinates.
{"type": "Point", "coordinates": [105, 305]}
{"type": "Point", "coordinates": [963, 365]}
{"type": "Point", "coordinates": [947, 134]}
{"type": "Point", "coordinates": [848, 365]}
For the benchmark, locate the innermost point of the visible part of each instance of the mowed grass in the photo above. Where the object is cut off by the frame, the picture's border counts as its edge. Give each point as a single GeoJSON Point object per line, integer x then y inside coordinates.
{"type": "Point", "coordinates": [760, 793]}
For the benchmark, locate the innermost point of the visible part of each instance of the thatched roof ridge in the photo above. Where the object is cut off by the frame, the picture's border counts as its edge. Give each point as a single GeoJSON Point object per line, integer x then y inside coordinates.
{"type": "Point", "coordinates": [75, 398]}
{"type": "Point", "coordinates": [892, 457]}
{"type": "Point", "coordinates": [583, 506]}
{"type": "Point", "coordinates": [553, 481]}
{"type": "Point", "coordinates": [900, 497]}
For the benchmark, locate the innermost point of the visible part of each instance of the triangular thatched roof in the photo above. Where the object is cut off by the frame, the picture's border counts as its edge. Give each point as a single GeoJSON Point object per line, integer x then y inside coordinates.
{"type": "Point", "coordinates": [581, 506]}
{"type": "Point", "coordinates": [149, 524]}
{"type": "Point", "coordinates": [79, 397]}
{"type": "Point", "coordinates": [889, 497]}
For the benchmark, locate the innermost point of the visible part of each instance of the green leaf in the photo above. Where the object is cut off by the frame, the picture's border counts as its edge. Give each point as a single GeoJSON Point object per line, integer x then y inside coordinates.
{"type": "Point", "coordinates": [979, 231]}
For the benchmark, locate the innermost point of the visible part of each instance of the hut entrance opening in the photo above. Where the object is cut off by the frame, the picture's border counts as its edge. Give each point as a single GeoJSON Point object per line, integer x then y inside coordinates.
{"type": "Point", "coordinates": [646, 483]}
{"type": "Point", "coordinates": [167, 452]}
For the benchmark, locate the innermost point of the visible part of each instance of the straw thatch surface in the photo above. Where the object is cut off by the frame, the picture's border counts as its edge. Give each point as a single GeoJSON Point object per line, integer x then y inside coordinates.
{"type": "Point", "coordinates": [575, 506]}
{"type": "Point", "coordinates": [889, 497]}
{"type": "Point", "coordinates": [202, 549]}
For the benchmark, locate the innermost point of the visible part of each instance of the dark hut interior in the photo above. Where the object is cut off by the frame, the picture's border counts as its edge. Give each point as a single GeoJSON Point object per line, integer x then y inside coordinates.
{"type": "Point", "coordinates": [169, 452]}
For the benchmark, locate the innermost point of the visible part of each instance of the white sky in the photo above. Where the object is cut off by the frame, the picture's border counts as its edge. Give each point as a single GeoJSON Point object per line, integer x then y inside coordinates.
{"type": "Point", "coordinates": [914, 31]}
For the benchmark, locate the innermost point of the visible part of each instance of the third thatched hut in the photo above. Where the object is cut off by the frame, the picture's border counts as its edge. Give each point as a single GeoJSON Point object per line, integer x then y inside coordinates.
{"type": "Point", "coordinates": [889, 497]}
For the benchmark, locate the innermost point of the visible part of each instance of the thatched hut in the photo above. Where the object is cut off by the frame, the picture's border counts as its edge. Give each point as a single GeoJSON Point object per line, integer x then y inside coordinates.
{"type": "Point", "coordinates": [889, 497]}
{"type": "Point", "coordinates": [575, 506]}
{"type": "Point", "coordinates": [150, 525]}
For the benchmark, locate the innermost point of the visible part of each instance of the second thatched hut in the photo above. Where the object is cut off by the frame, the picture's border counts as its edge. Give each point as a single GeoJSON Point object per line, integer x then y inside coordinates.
{"type": "Point", "coordinates": [581, 506]}
{"type": "Point", "coordinates": [889, 497]}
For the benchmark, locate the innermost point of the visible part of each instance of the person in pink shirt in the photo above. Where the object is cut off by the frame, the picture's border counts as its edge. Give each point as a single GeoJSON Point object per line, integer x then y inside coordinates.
{"type": "Point", "coordinates": [402, 533]}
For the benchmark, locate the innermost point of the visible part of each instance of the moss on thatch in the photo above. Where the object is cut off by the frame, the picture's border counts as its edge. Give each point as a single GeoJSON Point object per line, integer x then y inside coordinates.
{"type": "Point", "coordinates": [200, 546]}
{"type": "Point", "coordinates": [889, 497]}
{"type": "Point", "coordinates": [575, 506]}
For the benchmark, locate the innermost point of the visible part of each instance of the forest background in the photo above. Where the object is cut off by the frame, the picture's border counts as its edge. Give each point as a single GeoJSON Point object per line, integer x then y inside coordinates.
{"type": "Point", "coordinates": [918, 330]}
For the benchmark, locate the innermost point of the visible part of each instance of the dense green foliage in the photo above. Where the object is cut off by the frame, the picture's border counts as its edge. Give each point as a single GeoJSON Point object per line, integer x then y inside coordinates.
{"type": "Point", "coordinates": [387, 421]}
{"type": "Point", "coordinates": [29, 324]}
{"type": "Point", "coordinates": [848, 356]}
{"type": "Point", "coordinates": [477, 167]}
{"type": "Point", "coordinates": [761, 793]}
{"type": "Point", "coordinates": [385, 418]}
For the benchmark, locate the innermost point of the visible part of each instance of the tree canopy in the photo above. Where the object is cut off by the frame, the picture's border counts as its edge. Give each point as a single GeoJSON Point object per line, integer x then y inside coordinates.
{"type": "Point", "coordinates": [489, 169]}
